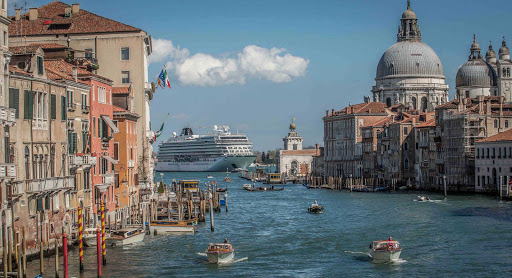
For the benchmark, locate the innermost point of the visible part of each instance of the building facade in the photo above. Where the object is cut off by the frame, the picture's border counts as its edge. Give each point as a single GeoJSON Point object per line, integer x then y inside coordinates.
{"type": "Point", "coordinates": [493, 163]}
{"type": "Point", "coordinates": [293, 160]}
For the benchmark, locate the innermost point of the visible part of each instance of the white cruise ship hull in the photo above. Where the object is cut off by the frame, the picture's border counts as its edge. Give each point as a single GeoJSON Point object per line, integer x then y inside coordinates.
{"type": "Point", "coordinates": [219, 164]}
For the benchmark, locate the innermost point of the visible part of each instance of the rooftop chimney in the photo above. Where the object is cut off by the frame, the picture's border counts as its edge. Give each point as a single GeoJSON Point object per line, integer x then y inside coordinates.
{"type": "Point", "coordinates": [327, 113]}
{"type": "Point", "coordinates": [18, 14]}
{"type": "Point", "coordinates": [332, 113]}
{"type": "Point", "coordinates": [317, 149]}
{"type": "Point", "coordinates": [32, 14]}
{"type": "Point", "coordinates": [75, 74]}
{"type": "Point", "coordinates": [76, 8]}
{"type": "Point", "coordinates": [67, 11]}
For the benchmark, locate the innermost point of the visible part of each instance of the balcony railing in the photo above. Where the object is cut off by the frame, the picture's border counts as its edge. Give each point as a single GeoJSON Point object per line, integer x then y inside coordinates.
{"type": "Point", "coordinates": [76, 161]}
{"type": "Point", "coordinates": [50, 184]}
{"type": "Point", "coordinates": [7, 171]}
{"type": "Point", "coordinates": [85, 109]}
{"type": "Point", "coordinates": [7, 115]}
{"type": "Point", "coordinates": [107, 179]}
{"type": "Point", "coordinates": [18, 188]}
{"type": "Point", "coordinates": [71, 107]}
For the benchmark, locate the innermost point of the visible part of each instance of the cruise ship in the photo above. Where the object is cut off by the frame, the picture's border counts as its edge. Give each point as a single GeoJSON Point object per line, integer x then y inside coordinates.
{"type": "Point", "coordinates": [217, 151]}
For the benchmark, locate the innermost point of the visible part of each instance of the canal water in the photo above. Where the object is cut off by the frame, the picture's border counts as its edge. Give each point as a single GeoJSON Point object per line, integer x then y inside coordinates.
{"type": "Point", "coordinates": [468, 236]}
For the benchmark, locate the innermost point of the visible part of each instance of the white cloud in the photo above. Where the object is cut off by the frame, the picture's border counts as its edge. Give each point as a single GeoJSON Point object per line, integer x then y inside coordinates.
{"type": "Point", "coordinates": [253, 62]}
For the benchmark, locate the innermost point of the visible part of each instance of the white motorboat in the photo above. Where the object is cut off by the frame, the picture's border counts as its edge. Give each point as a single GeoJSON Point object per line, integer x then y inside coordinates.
{"type": "Point", "coordinates": [315, 208]}
{"type": "Point", "coordinates": [89, 237]}
{"type": "Point", "coordinates": [423, 198]}
{"type": "Point", "coordinates": [209, 177]}
{"type": "Point", "coordinates": [126, 236]}
{"type": "Point", "coordinates": [166, 226]}
{"type": "Point", "coordinates": [247, 186]}
{"type": "Point", "coordinates": [220, 252]}
{"type": "Point", "coordinates": [385, 251]}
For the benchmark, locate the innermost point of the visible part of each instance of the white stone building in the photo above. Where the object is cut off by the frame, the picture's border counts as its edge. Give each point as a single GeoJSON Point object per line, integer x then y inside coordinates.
{"type": "Point", "coordinates": [410, 72]}
{"type": "Point", "coordinates": [493, 160]}
{"type": "Point", "coordinates": [293, 160]}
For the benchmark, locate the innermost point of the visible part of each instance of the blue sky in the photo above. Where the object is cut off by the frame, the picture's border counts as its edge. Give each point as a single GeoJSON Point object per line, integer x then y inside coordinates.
{"type": "Point", "coordinates": [338, 42]}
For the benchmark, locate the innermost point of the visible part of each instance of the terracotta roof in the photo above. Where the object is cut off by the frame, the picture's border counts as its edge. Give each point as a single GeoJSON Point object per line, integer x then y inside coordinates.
{"type": "Point", "coordinates": [299, 152]}
{"type": "Point", "coordinates": [83, 22]}
{"type": "Point", "coordinates": [29, 49]}
{"type": "Point", "coordinates": [378, 123]}
{"type": "Point", "coordinates": [120, 90]}
{"type": "Point", "coordinates": [60, 69]}
{"type": "Point", "coordinates": [429, 123]}
{"type": "Point", "coordinates": [15, 69]}
{"type": "Point", "coordinates": [118, 109]}
{"type": "Point", "coordinates": [363, 108]}
{"type": "Point", "coordinates": [49, 45]}
{"type": "Point", "coordinates": [502, 136]}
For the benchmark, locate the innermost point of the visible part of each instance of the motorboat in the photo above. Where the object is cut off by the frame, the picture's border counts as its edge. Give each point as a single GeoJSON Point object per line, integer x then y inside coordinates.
{"type": "Point", "coordinates": [264, 188]}
{"type": "Point", "coordinates": [315, 208]}
{"type": "Point", "coordinates": [227, 178]}
{"type": "Point", "coordinates": [220, 252]}
{"type": "Point", "coordinates": [384, 251]}
{"type": "Point", "coordinates": [126, 236]}
{"type": "Point", "coordinates": [172, 226]}
{"type": "Point", "coordinates": [423, 198]}
{"type": "Point", "coordinates": [236, 170]}
{"type": "Point", "coordinates": [89, 237]}
{"type": "Point", "coordinates": [209, 177]}
{"type": "Point", "coordinates": [247, 186]}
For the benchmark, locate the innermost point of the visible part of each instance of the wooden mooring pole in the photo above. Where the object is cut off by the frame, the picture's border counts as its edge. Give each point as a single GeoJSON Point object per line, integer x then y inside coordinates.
{"type": "Point", "coordinates": [444, 186]}
{"type": "Point", "coordinates": [211, 213]}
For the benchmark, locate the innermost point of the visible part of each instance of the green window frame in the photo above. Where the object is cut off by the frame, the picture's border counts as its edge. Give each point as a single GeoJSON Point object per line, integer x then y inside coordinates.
{"type": "Point", "coordinates": [53, 106]}
{"type": "Point", "coordinates": [14, 101]}
{"type": "Point", "coordinates": [28, 101]}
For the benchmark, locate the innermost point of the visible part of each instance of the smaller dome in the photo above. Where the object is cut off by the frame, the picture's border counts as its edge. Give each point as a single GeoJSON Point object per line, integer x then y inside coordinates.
{"type": "Point", "coordinates": [504, 49]}
{"type": "Point", "coordinates": [409, 14]}
{"type": "Point", "coordinates": [490, 53]}
{"type": "Point", "coordinates": [476, 73]}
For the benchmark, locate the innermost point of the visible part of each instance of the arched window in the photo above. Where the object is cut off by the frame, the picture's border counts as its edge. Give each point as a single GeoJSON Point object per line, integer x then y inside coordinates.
{"type": "Point", "coordinates": [406, 146]}
{"type": "Point", "coordinates": [506, 123]}
{"type": "Point", "coordinates": [406, 163]}
{"type": "Point", "coordinates": [27, 163]}
{"type": "Point", "coordinates": [11, 154]}
{"type": "Point", "coordinates": [294, 166]}
{"type": "Point", "coordinates": [388, 102]}
{"type": "Point", "coordinates": [495, 123]}
{"type": "Point", "coordinates": [424, 103]}
{"type": "Point", "coordinates": [414, 103]}
{"type": "Point", "coordinates": [52, 161]}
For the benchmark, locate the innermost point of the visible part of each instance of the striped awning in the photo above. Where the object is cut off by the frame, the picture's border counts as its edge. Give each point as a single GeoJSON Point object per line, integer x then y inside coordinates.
{"type": "Point", "coordinates": [110, 159]}
{"type": "Point", "coordinates": [110, 123]}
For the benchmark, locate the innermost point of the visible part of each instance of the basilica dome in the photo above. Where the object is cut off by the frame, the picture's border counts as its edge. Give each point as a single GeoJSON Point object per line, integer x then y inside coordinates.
{"type": "Point", "coordinates": [476, 73]}
{"type": "Point", "coordinates": [410, 58]}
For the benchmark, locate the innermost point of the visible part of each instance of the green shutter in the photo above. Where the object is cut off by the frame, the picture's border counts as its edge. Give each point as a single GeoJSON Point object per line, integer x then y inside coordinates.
{"type": "Point", "coordinates": [100, 129]}
{"type": "Point", "coordinates": [93, 126]}
{"type": "Point", "coordinates": [63, 112]}
{"type": "Point", "coordinates": [53, 106]}
{"type": "Point", "coordinates": [84, 141]}
{"type": "Point", "coordinates": [75, 144]}
{"type": "Point", "coordinates": [14, 100]}
{"type": "Point", "coordinates": [28, 105]}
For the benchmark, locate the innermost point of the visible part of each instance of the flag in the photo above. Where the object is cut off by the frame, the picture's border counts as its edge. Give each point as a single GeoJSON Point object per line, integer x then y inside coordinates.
{"type": "Point", "coordinates": [163, 80]}
{"type": "Point", "coordinates": [159, 132]}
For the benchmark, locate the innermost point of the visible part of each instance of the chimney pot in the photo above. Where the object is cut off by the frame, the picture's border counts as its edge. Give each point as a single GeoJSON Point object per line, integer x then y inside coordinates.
{"type": "Point", "coordinates": [327, 113]}
{"type": "Point", "coordinates": [76, 8]}
{"type": "Point", "coordinates": [67, 11]}
{"type": "Point", "coordinates": [32, 14]}
{"type": "Point", "coordinates": [75, 74]}
{"type": "Point", "coordinates": [332, 113]}
{"type": "Point", "coordinates": [18, 14]}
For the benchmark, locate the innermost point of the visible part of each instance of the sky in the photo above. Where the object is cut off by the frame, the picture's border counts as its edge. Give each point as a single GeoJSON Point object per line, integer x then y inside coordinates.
{"type": "Point", "coordinates": [255, 65]}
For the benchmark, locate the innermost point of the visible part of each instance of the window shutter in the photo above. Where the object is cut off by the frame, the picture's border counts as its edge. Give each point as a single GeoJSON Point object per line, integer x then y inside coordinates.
{"type": "Point", "coordinates": [53, 106]}
{"type": "Point", "coordinates": [73, 142]}
{"type": "Point", "coordinates": [28, 105]}
{"type": "Point", "coordinates": [14, 100]}
{"type": "Point", "coordinates": [100, 128]}
{"type": "Point", "coordinates": [84, 141]}
{"type": "Point", "coordinates": [63, 112]}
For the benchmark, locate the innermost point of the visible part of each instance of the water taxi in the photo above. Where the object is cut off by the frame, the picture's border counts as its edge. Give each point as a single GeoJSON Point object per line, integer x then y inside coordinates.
{"type": "Point", "coordinates": [126, 236]}
{"type": "Point", "coordinates": [384, 251]}
{"type": "Point", "coordinates": [315, 208]}
{"type": "Point", "coordinates": [220, 252]}
{"type": "Point", "coordinates": [247, 186]}
{"type": "Point", "coordinates": [423, 198]}
{"type": "Point", "coordinates": [89, 237]}
{"type": "Point", "coordinates": [171, 226]}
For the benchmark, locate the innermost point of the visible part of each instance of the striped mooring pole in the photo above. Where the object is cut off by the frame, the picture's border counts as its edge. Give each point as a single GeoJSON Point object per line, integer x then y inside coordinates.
{"type": "Point", "coordinates": [80, 242]}
{"type": "Point", "coordinates": [104, 249]}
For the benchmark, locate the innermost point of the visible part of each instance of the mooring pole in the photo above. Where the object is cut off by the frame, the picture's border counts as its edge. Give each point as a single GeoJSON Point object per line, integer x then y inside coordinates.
{"type": "Point", "coordinates": [444, 186]}
{"type": "Point", "coordinates": [24, 248]}
{"type": "Point", "coordinates": [4, 244]}
{"type": "Point", "coordinates": [98, 249]}
{"type": "Point", "coordinates": [211, 212]}
{"type": "Point", "coordinates": [65, 254]}
{"type": "Point", "coordinates": [56, 257]}
{"type": "Point", "coordinates": [80, 239]}
{"type": "Point", "coordinates": [103, 247]}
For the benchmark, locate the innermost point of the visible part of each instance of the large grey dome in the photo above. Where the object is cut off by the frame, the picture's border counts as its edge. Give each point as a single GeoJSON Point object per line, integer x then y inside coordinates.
{"type": "Point", "coordinates": [410, 58]}
{"type": "Point", "coordinates": [476, 73]}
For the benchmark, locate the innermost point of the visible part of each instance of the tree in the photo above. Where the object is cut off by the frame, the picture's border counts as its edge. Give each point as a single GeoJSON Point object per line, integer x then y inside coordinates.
{"type": "Point", "coordinates": [263, 157]}
{"type": "Point", "coordinates": [161, 188]}
{"type": "Point", "coordinates": [267, 159]}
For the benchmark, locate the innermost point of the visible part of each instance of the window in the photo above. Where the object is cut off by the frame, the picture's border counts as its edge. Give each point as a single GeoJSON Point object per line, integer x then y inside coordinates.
{"type": "Point", "coordinates": [14, 101]}
{"type": "Point", "coordinates": [125, 53]}
{"type": "Point", "coordinates": [406, 164]}
{"type": "Point", "coordinates": [506, 123]}
{"type": "Point", "coordinates": [406, 146]}
{"type": "Point", "coordinates": [63, 110]}
{"type": "Point", "coordinates": [40, 70]}
{"type": "Point", "coordinates": [495, 123]}
{"type": "Point", "coordinates": [28, 105]}
{"type": "Point", "coordinates": [83, 102]}
{"type": "Point", "coordinates": [93, 126]}
{"type": "Point", "coordinates": [70, 98]}
{"type": "Point", "coordinates": [72, 142]}
{"type": "Point", "coordinates": [406, 130]}
{"type": "Point", "coordinates": [125, 76]}
{"type": "Point", "coordinates": [53, 106]}
{"type": "Point", "coordinates": [88, 53]}
{"type": "Point", "coordinates": [116, 151]}
{"type": "Point", "coordinates": [27, 163]}
{"type": "Point", "coordinates": [102, 94]}
{"type": "Point", "coordinates": [5, 38]}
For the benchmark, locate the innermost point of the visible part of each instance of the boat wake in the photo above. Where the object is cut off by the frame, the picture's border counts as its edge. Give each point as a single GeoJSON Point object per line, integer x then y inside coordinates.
{"type": "Point", "coordinates": [360, 253]}
{"type": "Point", "coordinates": [224, 263]}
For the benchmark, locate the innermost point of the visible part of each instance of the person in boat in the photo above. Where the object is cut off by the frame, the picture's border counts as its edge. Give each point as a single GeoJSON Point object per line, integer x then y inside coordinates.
{"type": "Point", "coordinates": [390, 239]}
{"type": "Point", "coordinates": [225, 240]}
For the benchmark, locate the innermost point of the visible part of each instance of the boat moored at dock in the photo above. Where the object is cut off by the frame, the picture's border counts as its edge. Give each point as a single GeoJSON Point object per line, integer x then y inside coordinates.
{"type": "Point", "coordinates": [126, 236]}
{"type": "Point", "coordinates": [166, 226]}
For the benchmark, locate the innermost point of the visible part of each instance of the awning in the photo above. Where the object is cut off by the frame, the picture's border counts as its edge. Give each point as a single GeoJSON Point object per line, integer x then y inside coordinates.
{"type": "Point", "coordinates": [110, 123]}
{"type": "Point", "coordinates": [110, 159]}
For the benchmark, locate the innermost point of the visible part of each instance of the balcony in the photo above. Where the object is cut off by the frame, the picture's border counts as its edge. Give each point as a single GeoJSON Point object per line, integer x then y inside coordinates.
{"type": "Point", "coordinates": [50, 184]}
{"type": "Point", "coordinates": [7, 115]}
{"type": "Point", "coordinates": [85, 109]}
{"type": "Point", "coordinates": [17, 189]}
{"type": "Point", "coordinates": [76, 161]}
{"type": "Point", "coordinates": [7, 171]}
{"type": "Point", "coordinates": [71, 107]}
